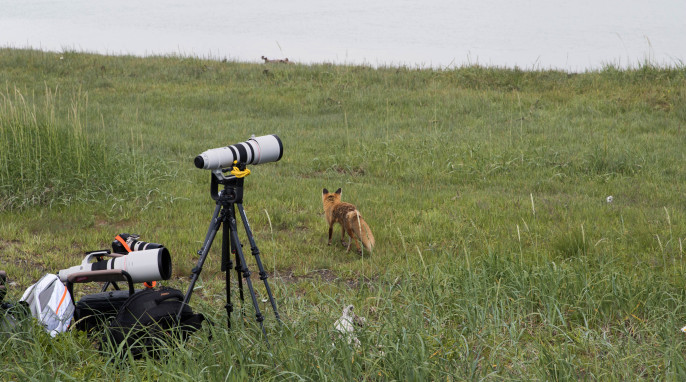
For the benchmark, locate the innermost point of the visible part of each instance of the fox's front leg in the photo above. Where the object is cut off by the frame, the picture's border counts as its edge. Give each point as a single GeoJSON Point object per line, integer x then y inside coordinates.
{"type": "Point", "coordinates": [330, 233]}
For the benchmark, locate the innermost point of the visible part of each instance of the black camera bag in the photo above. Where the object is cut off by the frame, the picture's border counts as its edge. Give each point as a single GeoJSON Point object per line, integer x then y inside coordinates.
{"type": "Point", "coordinates": [6, 320]}
{"type": "Point", "coordinates": [94, 311]}
{"type": "Point", "coordinates": [148, 319]}
{"type": "Point", "coordinates": [11, 314]}
{"type": "Point", "coordinates": [3, 288]}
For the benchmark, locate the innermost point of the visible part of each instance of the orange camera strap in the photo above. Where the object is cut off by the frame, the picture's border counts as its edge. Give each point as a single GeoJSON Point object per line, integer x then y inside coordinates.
{"type": "Point", "coordinates": [123, 242]}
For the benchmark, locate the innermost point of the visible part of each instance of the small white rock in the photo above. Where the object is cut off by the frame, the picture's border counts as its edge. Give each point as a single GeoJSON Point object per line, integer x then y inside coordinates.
{"type": "Point", "coordinates": [344, 325]}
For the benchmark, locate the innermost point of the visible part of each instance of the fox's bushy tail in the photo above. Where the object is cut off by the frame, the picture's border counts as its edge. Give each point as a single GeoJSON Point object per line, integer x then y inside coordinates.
{"type": "Point", "coordinates": [362, 231]}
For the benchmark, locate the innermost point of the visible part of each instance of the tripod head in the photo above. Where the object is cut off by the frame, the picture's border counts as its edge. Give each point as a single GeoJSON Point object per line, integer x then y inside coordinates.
{"type": "Point", "coordinates": [233, 184]}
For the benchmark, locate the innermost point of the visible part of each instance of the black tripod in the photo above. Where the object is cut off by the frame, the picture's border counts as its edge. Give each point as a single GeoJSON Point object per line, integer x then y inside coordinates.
{"type": "Point", "coordinates": [228, 200]}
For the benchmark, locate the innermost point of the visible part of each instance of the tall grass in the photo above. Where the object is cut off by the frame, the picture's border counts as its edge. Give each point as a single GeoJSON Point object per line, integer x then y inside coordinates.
{"type": "Point", "coordinates": [48, 156]}
{"type": "Point", "coordinates": [498, 319]}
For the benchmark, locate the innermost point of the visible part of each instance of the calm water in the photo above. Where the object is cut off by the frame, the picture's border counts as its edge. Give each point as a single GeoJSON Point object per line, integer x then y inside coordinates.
{"type": "Point", "coordinates": [570, 35]}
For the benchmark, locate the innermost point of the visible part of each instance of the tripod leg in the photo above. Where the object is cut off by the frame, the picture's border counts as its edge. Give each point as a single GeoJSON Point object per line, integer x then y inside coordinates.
{"type": "Point", "coordinates": [226, 266]}
{"type": "Point", "coordinates": [246, 272]}
{"type": "Point", "coordinates": [256, 252]}
{"type": "Point", "coordinates": [195, 273]}
{"type": "Point", "coordinates": [236, 244]}
{"type": "Point", "coordinates": [239, 268]}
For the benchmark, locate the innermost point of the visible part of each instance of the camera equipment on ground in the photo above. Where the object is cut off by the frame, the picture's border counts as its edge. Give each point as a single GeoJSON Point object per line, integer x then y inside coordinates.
{"type": "Point", "coordinates": [142, 266]}
{"type": "Point", "coordinates": [256, 150]}
{"type": "Point", "coordinates": [128, 242]}
{"type": "Point", "coordinates": [142, 322]}
{"type": "Point", "coordinates": [132, 319]}
{"type": "Point", "coordinates": [93, 311]}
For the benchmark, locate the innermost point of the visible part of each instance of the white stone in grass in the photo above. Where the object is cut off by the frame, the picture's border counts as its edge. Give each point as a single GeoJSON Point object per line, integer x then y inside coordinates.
{"type": "Point", "coordinates": [344, 325]}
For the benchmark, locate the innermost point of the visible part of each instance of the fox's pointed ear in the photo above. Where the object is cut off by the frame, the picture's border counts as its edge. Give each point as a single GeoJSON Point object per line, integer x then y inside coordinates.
{"type": "Point", "coordinates": [338, 191]}
{"type": "Point", "coordinates": [325, 191]}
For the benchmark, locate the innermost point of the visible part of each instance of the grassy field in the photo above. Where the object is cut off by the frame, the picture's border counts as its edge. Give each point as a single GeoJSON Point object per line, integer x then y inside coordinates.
{"type": "Point", "coordinates": [498, 255]}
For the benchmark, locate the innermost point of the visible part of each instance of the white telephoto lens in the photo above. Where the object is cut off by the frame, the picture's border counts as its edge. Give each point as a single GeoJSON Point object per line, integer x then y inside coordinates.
{"type": "Point", "coordinates": [148, 265]}
{"type": "Point", "coordinates": [268, 148]}
{"type": "Point", "coordinates": [256, 150]}
{"type": "Point", "coordinates": [215, 158]}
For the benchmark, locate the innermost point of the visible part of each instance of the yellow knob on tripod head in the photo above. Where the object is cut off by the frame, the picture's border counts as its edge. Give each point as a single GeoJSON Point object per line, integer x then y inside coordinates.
{"type": "Point", "coordinates": [238, 173]}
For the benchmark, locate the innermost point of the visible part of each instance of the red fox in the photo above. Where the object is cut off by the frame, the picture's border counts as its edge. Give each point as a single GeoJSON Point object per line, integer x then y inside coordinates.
{"type": "Point", "coordinates": [350, 220]}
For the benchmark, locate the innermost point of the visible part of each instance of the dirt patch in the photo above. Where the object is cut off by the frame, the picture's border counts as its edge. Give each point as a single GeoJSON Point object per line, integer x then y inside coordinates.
{"type": "Point", "coordinates": [4, 244]}
{"type": "Point", "coordinates": [326, 275]}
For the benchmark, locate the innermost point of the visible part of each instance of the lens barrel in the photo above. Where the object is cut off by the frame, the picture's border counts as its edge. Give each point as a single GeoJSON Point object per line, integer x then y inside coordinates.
{"type": "Point", "coordinates": [134, 245]}
{"type": "Point", "coordinates": [128, 242]}
{"type": "Point", "coordinates": [147, 265]}
{"type": "Point", "coordinates": [256, 150]}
